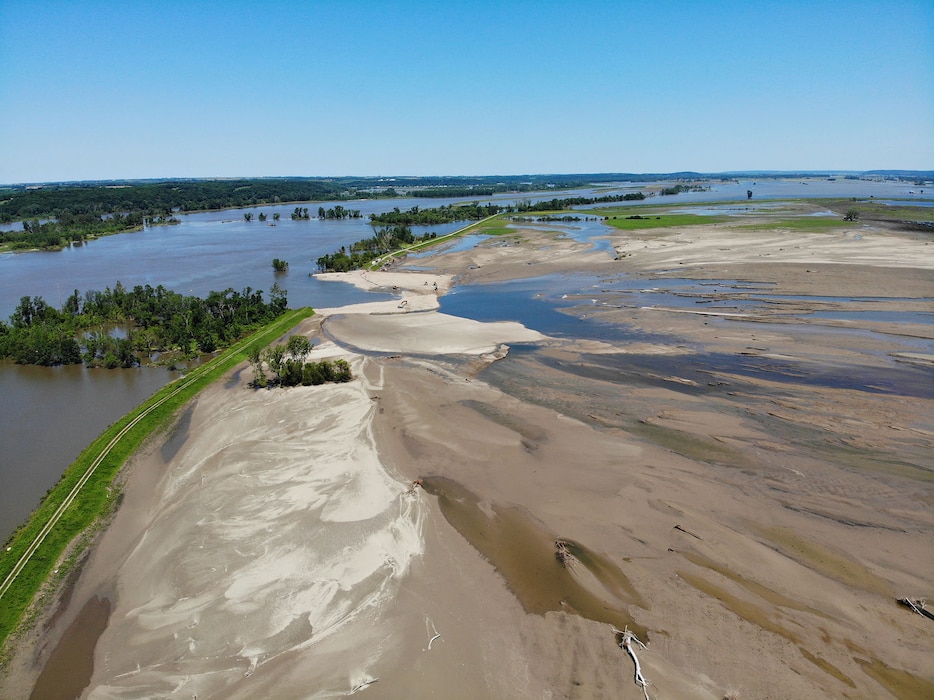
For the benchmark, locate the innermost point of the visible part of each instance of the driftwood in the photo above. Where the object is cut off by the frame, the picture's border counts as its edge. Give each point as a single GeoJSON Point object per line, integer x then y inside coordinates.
{"type": "Point", "coordinates": [917, 606]}
{"type": "Point", "coordinates": [688, 532]}
{"type": "Point", "coordinates": [625, 640]}
{"type": "Point", "coordinates": [363, 684]}
{"type": "Point", "coordinates": [562, 553]}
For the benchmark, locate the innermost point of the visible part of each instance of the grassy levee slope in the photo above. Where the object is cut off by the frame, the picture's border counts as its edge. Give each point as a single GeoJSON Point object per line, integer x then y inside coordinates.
{"type": "Point", "coordinates": [94, 471]}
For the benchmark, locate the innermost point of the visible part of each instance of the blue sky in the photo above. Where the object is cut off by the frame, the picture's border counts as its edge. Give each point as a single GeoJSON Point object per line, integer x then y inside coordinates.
{"type": "Point", "coordinates": [102, 90]}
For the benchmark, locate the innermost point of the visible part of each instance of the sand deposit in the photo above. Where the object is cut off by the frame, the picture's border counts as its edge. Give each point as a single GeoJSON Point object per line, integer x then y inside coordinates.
{"type": "Point", "coordinates": [754, 528]}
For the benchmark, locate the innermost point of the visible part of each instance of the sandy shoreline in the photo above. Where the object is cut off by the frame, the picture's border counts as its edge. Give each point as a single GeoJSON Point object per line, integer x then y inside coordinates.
{"type": "Point", "coordinates": [755, 532]}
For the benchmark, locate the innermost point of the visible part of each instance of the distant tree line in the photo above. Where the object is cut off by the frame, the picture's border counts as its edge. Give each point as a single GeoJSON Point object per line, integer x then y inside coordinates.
{"type": "Point", "coordinates": [287, 363]}
{"type": "Point", "coordinates": [168, 196]}
{"type": "Point", "coordinates": [71, 228]}
{"type": "Point", "coordinates": [444, 214]}
{"type": "Point", "coordinates": [361, 253]}
{"type": "Point", "coordinates": [678, 189]}
{"type": "Point", "coordinates": [470, 190]}
{"type": "Point", "coordinates": [152, 320]}
{"type": "Point", "coordinates": [559, 204]}
{"type": "Point", "coordinates": [153, 198]}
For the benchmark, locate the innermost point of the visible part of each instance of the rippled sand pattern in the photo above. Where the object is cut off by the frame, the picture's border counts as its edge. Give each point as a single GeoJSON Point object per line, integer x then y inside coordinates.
{"type": "Point", "coordinates": [281, 535]}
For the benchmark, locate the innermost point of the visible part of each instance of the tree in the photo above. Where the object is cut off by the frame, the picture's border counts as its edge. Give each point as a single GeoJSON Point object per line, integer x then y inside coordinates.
{"type": "Point", "coordinates": [278, 299]}
{"type": "Point", "coordinates": [342, 371]}
{"type": "Point", "coordinates": [262, 216]}
{"type": "Point", "coordinates": [72, 304]}
{"type": "Point", "coordinates": [851, 215]}
{"type": "Point", "coordinates": [299, 346]}
{"type": "Point", "coordinates": [291, 373]}
{"type": "Point", "coordinates": [248, 216]}
{"type": "Point", "coordinates": [275, 216]}
{"type": "Point", "coordinates": [256, 362]}
{"type": "Point", "coordinates": [748, 194]}
{"type": "Point", "coordinates": [274, 357]}
{"type": "Point", "coordinates": [279, 265]}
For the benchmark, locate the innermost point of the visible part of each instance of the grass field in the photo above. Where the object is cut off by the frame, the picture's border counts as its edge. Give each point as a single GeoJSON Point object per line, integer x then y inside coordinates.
{"type": "Point", "coordinates": [98, 496]}
{"type": "Point", "coordinates": [877, 211]}
{"type": "Point", "coordinates": [802, 223]}
{"type": "Point", "coordinates": [653, 220]}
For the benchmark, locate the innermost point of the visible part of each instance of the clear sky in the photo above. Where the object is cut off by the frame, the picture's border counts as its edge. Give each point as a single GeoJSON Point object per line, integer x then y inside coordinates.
{"type": "Point", "coordinates": [134, 89]}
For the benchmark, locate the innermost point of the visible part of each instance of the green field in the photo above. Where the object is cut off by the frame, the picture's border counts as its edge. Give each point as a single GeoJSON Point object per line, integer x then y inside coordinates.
{"type": "Point", "coordinates": [652, 220]}
{"type": "Point", "coordinates": [871, 210]}
{"type": "Point", "coordinates": [98, 497]}
{"type": "Point", "coordinates": [803, 223]}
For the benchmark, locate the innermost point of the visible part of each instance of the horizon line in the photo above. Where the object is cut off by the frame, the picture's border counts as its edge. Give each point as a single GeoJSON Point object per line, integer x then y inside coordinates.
{"type": "Point", "coordinates": [388, 177]}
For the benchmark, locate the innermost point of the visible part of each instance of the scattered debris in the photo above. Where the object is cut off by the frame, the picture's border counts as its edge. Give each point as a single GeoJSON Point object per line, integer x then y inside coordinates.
{"type": "Point", "coordinates": [431, 640]}
{"type": "Point", "coordinates": [625, 640]}
{"type": "Point", "coordinates": [688, 532]}
{"type": "Point", "coordinates": [562, 553]}
{"type": "Point", "coordinates": [363, 684]}
{"type": "Point", "coordinates": [917, 606]}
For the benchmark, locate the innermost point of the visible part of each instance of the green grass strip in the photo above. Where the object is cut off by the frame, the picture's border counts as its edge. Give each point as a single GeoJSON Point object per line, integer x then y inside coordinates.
{"type": "Point", "coordinates": [650, 220]}
{"type": "Point", "coordinates": [97, 497]}
{"type": "Point", "coordinates": [804, 223]}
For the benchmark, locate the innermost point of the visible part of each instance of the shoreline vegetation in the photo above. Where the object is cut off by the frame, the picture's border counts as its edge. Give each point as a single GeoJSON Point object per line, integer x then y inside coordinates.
{"type": "Point", "coordinates": [154, 322]}
{"type": "Point", "coordinates": [77, 517]}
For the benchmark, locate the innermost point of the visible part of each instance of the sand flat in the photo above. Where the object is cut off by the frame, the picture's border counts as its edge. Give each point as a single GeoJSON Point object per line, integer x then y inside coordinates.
{"type": "Point", "coordinates": [755, 528]}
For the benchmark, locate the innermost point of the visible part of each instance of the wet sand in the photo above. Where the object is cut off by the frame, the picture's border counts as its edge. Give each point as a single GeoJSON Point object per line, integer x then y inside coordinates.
{"type": "Point", "coordinates": [753, 529]}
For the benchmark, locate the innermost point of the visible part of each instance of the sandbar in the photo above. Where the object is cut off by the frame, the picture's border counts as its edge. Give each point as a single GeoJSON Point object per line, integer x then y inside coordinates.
{"type": "Point", "coordinates": [462, 521]}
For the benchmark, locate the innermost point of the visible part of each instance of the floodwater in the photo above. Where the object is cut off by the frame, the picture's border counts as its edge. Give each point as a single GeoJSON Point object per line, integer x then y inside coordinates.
{"type": "Point", "coordinates": [50, 415]}
{"type": "Point", "coordinates": [561, 305]}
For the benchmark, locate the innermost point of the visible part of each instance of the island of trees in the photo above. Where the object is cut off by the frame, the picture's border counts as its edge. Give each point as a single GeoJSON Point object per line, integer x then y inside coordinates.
{"type": "Point", "coordinates": [361, 253]}
{"type": "Point", "coordinates": [288, 365]}
{"type": "Point", "coordinates": [115, 327]}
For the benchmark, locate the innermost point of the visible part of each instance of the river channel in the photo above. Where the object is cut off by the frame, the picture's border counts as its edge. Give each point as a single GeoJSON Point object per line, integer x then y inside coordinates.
{"type": "Point", "coordinates": [51, 414]}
